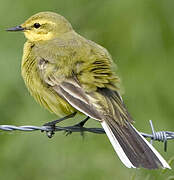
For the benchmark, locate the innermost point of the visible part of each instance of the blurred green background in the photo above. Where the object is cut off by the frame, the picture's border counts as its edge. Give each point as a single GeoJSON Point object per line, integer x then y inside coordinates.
{"type": "Point", "coordinates": [140, 37]}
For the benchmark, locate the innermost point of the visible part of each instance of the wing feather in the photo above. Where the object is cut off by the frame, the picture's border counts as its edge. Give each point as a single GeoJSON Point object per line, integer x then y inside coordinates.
{"type": "Point", "coordinates": [77, 97]}
{"type": "Point", "coordinates": [111, 105]}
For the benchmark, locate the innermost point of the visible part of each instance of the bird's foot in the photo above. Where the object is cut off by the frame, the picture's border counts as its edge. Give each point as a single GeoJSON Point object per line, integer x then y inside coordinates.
{"type": "Point", "coordinates": [52, 124]}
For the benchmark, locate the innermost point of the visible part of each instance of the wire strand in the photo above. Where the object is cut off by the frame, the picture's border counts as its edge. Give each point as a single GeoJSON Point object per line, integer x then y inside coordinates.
{"type": "Point", "coordinates": [162, 136]}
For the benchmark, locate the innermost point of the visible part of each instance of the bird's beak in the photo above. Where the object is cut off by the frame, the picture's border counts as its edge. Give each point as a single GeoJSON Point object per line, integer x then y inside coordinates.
{"type": "Point", "coordinates": [17, 28]}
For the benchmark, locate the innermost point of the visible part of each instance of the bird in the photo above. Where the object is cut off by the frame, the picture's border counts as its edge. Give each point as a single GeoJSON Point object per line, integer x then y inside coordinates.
{"type": "Point", "coordinates": [69, 74]}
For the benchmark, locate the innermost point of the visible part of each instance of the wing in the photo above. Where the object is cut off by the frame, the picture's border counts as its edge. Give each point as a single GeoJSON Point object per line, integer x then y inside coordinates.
{"type": "Point", "coordinates": [74, 94]}
{"type": "Point", "coordinates": [97, 105]}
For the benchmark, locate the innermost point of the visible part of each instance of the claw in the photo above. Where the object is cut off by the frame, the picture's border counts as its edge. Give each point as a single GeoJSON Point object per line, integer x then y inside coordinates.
{"type": "Point", "coordinates": [52, 124]}
{"type": "Point", "coordinates": [67, 133]}
{"type": "Point", "coordinates": [50, 134]}
{"type": "Point", "coordinates": [68, 130]}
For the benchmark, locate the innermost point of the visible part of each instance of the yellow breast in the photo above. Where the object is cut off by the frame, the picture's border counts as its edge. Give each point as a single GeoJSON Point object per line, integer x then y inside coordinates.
{"type": "Point", "coordinates": [38, 89]}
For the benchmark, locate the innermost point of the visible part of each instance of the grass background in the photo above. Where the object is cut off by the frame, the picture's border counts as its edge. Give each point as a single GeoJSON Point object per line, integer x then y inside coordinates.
{"type": "Point", "coordinates": [140, 37]}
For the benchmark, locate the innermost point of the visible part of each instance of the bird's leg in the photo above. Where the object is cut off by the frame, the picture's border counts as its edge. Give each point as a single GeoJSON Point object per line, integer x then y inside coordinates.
{"type": "Point", "coordinates": [79, 125]}
{"type": "Point", "coordinates": [82, 123]}
{"type": "Point", "coordinates": [52, 124]}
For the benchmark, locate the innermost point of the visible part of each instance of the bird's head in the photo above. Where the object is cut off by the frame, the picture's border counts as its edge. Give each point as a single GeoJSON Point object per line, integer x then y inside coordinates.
{"type": "Point", "coordinates": [43, 26]}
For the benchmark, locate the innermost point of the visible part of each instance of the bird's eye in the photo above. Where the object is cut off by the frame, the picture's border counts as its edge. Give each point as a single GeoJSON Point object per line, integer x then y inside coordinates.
{"type": "Point", "coordinates": [37, 25]}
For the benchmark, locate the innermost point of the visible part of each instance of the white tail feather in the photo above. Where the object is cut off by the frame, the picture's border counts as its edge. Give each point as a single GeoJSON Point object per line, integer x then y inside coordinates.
{"type": "Point", "coordinates": [123, 157]}
{"type": "Point", "coordinates": [117, 146]}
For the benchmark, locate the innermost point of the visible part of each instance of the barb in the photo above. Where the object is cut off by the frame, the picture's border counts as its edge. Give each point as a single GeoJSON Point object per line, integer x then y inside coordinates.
{"type": "Point", "coordinates": [162, 136]}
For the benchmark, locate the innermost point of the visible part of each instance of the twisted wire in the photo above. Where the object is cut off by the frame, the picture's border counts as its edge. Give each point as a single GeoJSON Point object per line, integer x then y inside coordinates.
{"type": "Point", "coordinates": [161, 136]}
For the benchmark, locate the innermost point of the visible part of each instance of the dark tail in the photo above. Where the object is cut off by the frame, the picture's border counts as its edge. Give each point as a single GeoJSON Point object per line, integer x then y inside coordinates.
{"type": "Point", "coordinates": [132, 148]}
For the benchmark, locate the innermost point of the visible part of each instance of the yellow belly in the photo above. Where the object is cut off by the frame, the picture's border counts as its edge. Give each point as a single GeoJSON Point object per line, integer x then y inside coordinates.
{"type": "Point", "coordinates": [40, 91]}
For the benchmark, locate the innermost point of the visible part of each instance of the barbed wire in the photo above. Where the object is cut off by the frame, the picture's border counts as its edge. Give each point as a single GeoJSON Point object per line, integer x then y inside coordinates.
{"type": "Point", "coordinates": [162, 136]}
